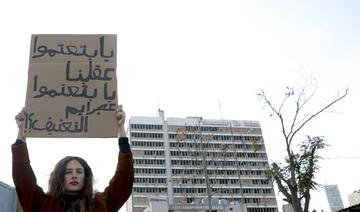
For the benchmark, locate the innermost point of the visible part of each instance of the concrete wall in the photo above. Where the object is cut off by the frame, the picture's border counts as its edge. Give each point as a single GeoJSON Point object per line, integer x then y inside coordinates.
{"type": "Point", "coordinates": [7, 198]}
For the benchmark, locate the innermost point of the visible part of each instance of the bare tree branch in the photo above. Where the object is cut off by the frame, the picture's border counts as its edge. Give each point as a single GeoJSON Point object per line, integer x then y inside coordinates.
{"type": "Point", "coordinates": [320, 111]}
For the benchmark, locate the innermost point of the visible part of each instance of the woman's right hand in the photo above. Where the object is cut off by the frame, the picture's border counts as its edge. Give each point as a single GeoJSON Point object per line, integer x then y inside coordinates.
{"type": "Point", "coordinates": [20, 119]}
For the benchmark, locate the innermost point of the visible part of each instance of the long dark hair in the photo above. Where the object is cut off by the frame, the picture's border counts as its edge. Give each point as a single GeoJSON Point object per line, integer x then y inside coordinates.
{"type": "Point", "coordinates": [57, 188]}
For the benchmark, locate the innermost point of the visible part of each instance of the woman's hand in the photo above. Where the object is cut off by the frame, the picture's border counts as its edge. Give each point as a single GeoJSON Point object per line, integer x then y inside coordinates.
{"type": "Point", "coordinates": [120, 117]}
{"type": "Point", "coordinates": [20, 119]}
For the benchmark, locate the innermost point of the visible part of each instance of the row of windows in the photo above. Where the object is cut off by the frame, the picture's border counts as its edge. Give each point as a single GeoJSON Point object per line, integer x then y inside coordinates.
{"type": "Point", "coordinates": [149, 190]}
{"type": "Point", "coordinates": [147, 143]}
{"type": "Point", "coordinates": [193, 145]}
{"type": "Point", "coordinates": [224, 190]}
{"type": "Point", "coordinates": [189, 190]}
{"type": "Point", "coordinates": [146, 126]}
{"type": "Point", "coordinates": [150, 180]}
{"type": "Point", "coordinates": [146, 135]}
{"type": "Point", "coordinates": [181, 137]}
{"type": "Point", "coordinates": [219, 154]}
{"type": "Point", "coordinates": [219, 163]}
{"type": "Point", "coordinates": [262, 210]}
{"type": "Point", "coordinates": [217, 172]}
{"type": "Point", "coordinates": [149, 161]}
{"type": "Point", "coordinates": [184, 136]}
{"type": "Point", "coordinates": [196, 128]}
{"type": "Point", "coordinates": [217, 129]}
{"type": "Point", "coordinates": [197, 181]}
{"type": "Point", "coordinates": [200, 172]}
{"type": "Point", "coordinates": [150, 171]}
{"type": "Point", "coordinates": [154, 152]}
{"type": "Point", "coordinates": [211, 129]}
{"type": "Point", "coordinates": [252, 200]}
{"type": "Point", "coordinates": [257, 190]}
{"type": "Point", "coordinates": [260, 181]}
{"type": "Point", "coordinates": [212, 181]}
{"type": "Point", "coordinates": [245, 200]}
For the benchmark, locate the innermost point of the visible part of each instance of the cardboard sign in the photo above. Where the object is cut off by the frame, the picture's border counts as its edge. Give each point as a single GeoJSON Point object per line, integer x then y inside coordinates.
{"type": "Point", "coordinates": [72, 86]}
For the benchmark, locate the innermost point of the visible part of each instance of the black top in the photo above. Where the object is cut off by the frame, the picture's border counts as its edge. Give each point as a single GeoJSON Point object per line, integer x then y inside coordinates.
{"type": "Point", "coordinates": [124, 145]}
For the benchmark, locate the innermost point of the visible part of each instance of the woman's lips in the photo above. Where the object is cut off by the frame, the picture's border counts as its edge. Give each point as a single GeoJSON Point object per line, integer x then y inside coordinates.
{"type": "Point", "coordinates": [73, 183]}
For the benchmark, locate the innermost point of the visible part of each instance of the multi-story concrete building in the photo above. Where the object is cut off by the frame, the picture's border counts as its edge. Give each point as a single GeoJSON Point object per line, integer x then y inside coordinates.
{"type": "Point", "coordinates": [354, 198]}
{"type": "Point", "coordinates": [191, 162]}
{"type": "Point", "coordinates": [334, 198]}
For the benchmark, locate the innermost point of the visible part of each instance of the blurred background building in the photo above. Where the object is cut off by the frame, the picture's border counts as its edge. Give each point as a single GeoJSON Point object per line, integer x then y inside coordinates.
{"type": "Point", "coordinates": [354, 198]}
{"type": "Point", "coordinates": [333, 197]}
{"type": "Point", "coordinates": [8, 199]}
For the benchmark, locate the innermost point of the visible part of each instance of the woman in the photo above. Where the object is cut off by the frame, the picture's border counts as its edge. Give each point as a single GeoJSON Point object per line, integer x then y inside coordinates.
{"type": "Point", "coordinates": [71, 182]}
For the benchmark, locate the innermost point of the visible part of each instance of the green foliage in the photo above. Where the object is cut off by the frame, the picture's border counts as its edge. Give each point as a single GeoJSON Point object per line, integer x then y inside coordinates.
{"type": "Point", "coordinates": [308, 162]}
{"type": "Point", "coordinates": [305, 162]}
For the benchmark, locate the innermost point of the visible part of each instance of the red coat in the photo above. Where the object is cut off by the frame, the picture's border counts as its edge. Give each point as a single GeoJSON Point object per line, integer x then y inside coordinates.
{"type": "Point", "coordinates": [33, 199]}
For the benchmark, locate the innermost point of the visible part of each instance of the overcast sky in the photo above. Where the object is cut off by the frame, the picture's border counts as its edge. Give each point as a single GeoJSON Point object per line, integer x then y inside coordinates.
{"type": "Point", "coordinates": [198, 58]}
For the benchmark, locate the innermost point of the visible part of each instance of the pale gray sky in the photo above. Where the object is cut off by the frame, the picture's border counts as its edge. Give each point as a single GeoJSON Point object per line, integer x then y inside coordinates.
{"type": "Point", "coordinates": [186, 57]}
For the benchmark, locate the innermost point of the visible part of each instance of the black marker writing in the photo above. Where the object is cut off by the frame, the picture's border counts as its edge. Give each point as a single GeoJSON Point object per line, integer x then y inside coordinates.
{"type": "Point", "coordinates": [93, 73]}
{"type": "Point", "coordinates": [66, 91]}
{"type": "Point", "coordinates": [106, 96]}
{"type": "Point", "coordinates": [41, 50]}
{"type": "Point", "coordinates": [51, 126]}
{"type": "Point", "coordinates": [88, 110]}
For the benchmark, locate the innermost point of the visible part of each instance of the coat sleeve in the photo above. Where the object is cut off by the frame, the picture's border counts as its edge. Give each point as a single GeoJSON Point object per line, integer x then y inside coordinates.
{"type": "Point", "coordinates": [30, 195]}
{"type": "Point", "coordinates": [120, 186]}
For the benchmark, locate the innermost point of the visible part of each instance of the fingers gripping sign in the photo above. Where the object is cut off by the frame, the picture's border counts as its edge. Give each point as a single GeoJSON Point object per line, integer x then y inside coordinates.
{"type": "Point", "coordinates": [120, 117]}
{"type": "Point", "coordinates": [20, 119]}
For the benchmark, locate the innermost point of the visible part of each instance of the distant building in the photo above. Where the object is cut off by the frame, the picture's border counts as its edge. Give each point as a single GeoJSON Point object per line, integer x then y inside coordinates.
{"type": "Point", "coordinates": [354, 198]}
{"type": "Point", "coordinates": [180, 159]}
{"type": "Point", "coordinates": [334, 198]}
{"type": "Point", "coordinates": [8, 199]}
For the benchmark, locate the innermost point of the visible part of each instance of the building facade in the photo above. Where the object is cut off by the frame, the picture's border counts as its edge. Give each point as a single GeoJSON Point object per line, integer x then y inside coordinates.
{"type": "Point", "coordinates": [192, 162]}
{"type": "Point", "coordinates": [333, 197]}
{"type": "Point", "coordinates": [354, 198]}
{"type": "Point", "coordinates": [8, 199]}
{"type": "Point", "coordinates": [288, 208]}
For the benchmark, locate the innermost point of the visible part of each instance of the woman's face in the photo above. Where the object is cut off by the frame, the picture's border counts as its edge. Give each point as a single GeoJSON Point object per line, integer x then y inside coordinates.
{"type": "Point", "coordinates": [74, 177]}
